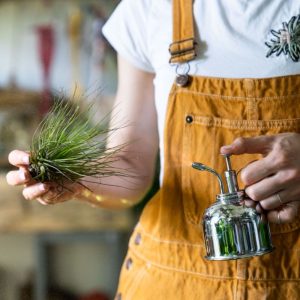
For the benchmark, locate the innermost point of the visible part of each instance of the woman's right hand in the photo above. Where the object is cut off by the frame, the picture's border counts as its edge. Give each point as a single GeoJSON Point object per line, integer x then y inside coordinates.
{"type": "Point", "coordinates": [46, 193]}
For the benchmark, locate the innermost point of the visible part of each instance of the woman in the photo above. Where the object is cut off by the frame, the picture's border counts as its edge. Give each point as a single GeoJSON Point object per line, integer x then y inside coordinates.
{"type": "Point", "coordinates": [223, 90]}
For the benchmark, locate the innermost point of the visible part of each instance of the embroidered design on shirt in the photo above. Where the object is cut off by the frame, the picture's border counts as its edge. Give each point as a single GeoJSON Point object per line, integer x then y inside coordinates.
{"type": "Point", "coordinates": [286, 40]}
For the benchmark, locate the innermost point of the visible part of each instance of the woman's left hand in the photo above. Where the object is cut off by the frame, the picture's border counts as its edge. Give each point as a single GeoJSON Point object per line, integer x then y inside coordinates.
{"type": "Point", "coordinates": [273, 182]}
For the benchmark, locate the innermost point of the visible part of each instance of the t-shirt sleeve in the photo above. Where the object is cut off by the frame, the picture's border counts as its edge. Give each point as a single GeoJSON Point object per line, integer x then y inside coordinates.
{"type": "Point", "coordinates": [126, 30]}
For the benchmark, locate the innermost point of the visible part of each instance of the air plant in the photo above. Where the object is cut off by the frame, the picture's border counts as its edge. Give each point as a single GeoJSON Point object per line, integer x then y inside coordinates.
{"type": "Point", "coordinates": [287, 40]}
{"type": "Point", "coordinates": [68, 146]}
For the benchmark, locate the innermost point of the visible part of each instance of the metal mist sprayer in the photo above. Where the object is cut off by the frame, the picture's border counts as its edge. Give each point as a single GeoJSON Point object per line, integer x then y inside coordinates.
{"type": "Point", "coordinates": [232, 230]}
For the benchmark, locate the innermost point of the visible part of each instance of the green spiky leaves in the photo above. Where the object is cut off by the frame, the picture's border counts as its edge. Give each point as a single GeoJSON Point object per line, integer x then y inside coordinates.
{"type": "Point", "coordinates": [286, 40]}
{"type": "Point", "coordinates": [68, 146]}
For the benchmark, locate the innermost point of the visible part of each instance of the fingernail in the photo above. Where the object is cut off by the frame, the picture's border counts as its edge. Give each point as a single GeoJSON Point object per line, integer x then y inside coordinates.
{"type": "Point", "coordinates": [226, 147]}
{"type": "Point", "coordinates": [42, 187]}
{"type": "Point", "coordinates": [22, 175]}
{"type": "Point", "coordinates": [26, 160]}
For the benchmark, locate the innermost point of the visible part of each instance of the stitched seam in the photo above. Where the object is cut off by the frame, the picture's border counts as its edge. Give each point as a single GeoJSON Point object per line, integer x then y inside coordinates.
{"type": "Point", "coordinates": [234, 97]}
{"type": "Point", "coordinates": [261, 279]}
{"type": "Point", "coordinates": [281, 122]}
{"type": "Point", "coordinates": [164, 267]}
{"type": "Point", "coordinates": [166, 241]}
{"type": "Point", "coordinates": [139, 228]}
{"type": "Point", "coordinates": [248, 110]}
{"type": "Point", "coordinates": [252, 110]}
{"type": "Point", "coordinates": [247, 124]}
{"type": "Point", "coordinates": [235, 290]}
{"type": "Point", "coordinates": [190, 217]}
{"type": "Point", "coordinates": [142, 257]}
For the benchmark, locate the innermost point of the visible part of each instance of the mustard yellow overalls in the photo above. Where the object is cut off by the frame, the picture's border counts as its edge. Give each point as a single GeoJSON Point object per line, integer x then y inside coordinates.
{"type": "Point", "coordinates": [166, 253]}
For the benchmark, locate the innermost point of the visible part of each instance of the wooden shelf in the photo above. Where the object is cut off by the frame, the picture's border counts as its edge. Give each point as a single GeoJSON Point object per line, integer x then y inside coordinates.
{"type": "Point", "coordinates": [71, 216]}
{"type": "Point", "coordinates": [18, 215]}
{"type": "Point", "coordinates": [13, 98]}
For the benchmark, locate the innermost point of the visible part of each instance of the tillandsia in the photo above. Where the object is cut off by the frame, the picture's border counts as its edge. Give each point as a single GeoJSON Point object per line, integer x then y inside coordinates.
{"type": "Point", "coordinates": [68, 147]}
{"type": "Point", "coordinates": [287, 40]}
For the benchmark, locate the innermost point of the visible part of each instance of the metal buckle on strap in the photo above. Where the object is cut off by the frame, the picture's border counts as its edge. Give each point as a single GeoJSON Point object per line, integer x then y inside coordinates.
{"type": "Point", "coordinates": [182, 51]}
{"type": "Point", "coordinates": [178, 47]}
{"type": "Point", "coordinates": [182, 58]}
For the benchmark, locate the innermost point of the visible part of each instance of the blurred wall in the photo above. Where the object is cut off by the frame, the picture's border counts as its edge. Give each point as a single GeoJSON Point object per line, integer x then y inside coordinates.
{"type": "Point", "coordinates": [19, 56]}
{"type": "Point", "coordinates": [80, 268]}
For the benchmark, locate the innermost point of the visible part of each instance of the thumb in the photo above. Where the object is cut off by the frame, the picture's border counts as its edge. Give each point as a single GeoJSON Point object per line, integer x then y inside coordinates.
{"type": "Point", "coordinates": [259, 144]}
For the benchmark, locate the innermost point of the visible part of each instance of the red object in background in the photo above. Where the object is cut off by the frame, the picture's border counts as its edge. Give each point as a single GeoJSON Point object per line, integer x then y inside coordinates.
{"type": "Point", "coordinates": [95, 296]}
{"type": "Point", "coordinates": [46, 50]}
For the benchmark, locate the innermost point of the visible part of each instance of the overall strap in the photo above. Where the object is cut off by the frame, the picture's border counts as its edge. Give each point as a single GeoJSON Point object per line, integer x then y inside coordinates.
{"type": "Point", "coordinates": [183, 47]}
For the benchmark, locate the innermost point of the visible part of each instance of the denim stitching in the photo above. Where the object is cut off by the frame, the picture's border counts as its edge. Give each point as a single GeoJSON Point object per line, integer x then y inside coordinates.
{"type": "Point", "coordinates": [155, 264]}
{"type": "Point", "coordinates": [247, 124]}
{"type": "Point", "coordinates": [141, 229]}
{"type": "Point", "coordinates": [234, 97]}
{"type": "Point", "coordinates": [142, 257]}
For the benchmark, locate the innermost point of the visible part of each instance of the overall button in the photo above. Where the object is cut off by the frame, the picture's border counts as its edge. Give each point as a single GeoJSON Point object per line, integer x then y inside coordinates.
{"type": "Point", "coordinates": [189, 119]}
{"type": "Point", "coordinates": [182, 80]}
{"type": "Point", "coordinates": [128, 263]}
{"type": "Point", "coordinates": [138, 239]}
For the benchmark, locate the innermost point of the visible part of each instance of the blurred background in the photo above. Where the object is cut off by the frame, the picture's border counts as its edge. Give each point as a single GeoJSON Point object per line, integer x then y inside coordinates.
{"type": "Point", "coordinates": [68, 251]}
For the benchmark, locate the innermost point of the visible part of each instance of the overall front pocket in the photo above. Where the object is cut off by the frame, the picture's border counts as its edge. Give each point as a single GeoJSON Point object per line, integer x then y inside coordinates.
{"type": "Point", "coordinates": [202, 140]}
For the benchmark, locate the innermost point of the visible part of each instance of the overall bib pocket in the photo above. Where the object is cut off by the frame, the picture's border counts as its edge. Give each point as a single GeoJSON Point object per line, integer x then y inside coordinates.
{"type": "Point", "coordinates": [202, 139]}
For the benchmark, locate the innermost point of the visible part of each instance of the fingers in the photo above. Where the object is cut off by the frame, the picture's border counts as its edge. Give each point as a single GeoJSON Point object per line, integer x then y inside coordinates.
{"type": "Point", "coordinates": [18, 177]}
{"type": "Point", "coordinates": [49, 198]}
{"type": "Point", "coordinates": [32, 190]}
{"type": "Point", "coordinates": [272, 182]}
{"type": "Point", "coordinates": [265, 188]}
{"type": "Point", "coordinates": [241, 145]}
{"type": "Point", "coordinates": [273, 202]}
{"type": "Point", "coordinates": [43, 202]}
{"type": "Point", "coordinates": [54, 196]}
{"type": "Point", "coordinates": [257, 170]}
{"type": "Point", "coordinates": [277, 208]}
{"type": "Point", "coordinates": [18, 158]}
{"type": "Point", "coordinates": [281, 205]}
{"type": "Point", "coordinates": [46, 193]}
{"type": "Point", "coordinates": [22, 176]}
{"type": "Point", "coordinates": [255, 205]}
{"type": "Point", "coordinates": [282, 213]}
{"type": "Point", "coordinates": [286, 214]}
{"type": "Point", "coordinates": [35, 191]}
{"type": "Point", "coordinates": [282, 197]}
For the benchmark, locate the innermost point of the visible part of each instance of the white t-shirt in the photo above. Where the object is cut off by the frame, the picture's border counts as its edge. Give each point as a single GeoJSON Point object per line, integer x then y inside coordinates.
{"type": "Point", "coordinates": [231, 39]}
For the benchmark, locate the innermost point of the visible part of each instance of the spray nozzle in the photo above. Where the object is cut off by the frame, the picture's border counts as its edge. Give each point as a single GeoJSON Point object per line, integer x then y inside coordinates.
{"type": "Point", "coordinates": [230, 175]}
